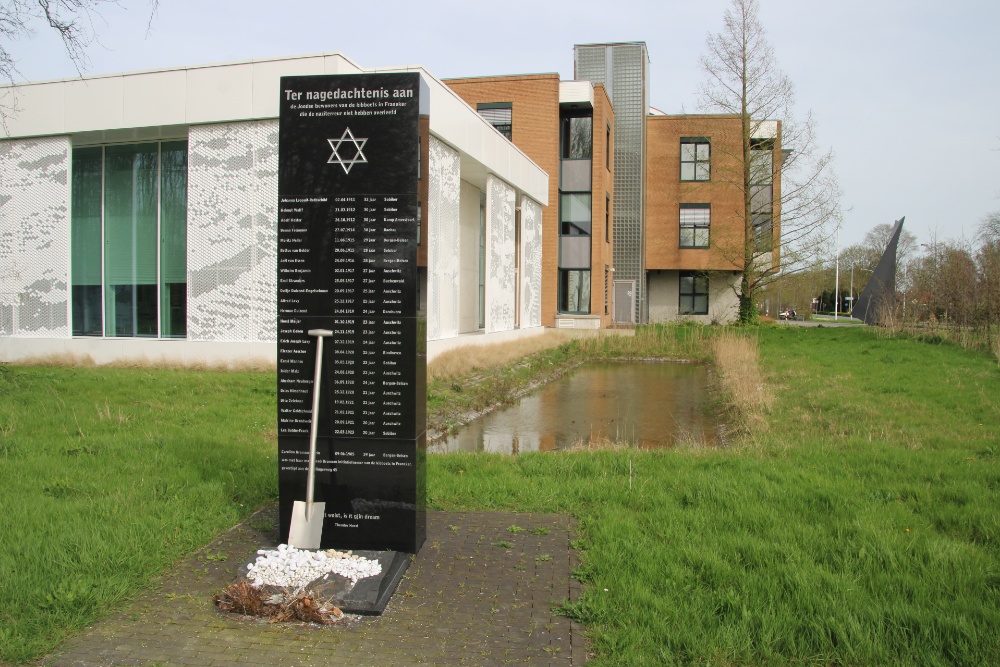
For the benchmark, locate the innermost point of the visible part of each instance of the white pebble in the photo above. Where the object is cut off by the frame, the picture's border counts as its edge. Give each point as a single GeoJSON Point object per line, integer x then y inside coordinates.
{"type": "Point", "coordinates": [291, 567]}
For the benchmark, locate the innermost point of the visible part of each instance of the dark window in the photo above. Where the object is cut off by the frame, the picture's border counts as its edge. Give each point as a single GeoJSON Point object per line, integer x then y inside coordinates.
{"type": "Point", "coordinates": [499, 116]}
{"type": "Point", "coordinates": [695, 223]}
{"type": "Point", "coordinates": [695, 159]}
{"type": "Point", "coordinates": [607, 148]}
{"type": "Point", "coordinates": [607, 218]}
{"type": "Point", "coordinates": [574, 291]}
{"type": "Point", "coordinates": [576, 137]}
{"type": "Point", "coordinates": [693, 294]}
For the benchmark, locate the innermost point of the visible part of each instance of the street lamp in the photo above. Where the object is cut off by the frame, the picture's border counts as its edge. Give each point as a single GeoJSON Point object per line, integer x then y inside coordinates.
{"type": "Point", "coordinates": [836, 289]}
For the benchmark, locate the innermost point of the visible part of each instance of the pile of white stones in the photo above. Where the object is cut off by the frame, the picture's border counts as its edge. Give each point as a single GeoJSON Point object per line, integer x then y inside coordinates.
{"type": "Point", "coordinates": [291, 567]}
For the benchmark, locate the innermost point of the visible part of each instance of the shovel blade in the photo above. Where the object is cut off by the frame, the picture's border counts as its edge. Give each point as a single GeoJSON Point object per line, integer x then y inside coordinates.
{"type": "Point", "coordinates": [306, 531]}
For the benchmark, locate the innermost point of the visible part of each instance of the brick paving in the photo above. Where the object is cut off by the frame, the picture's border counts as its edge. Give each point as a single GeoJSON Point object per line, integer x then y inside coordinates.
{"type": "Point", "coordinates": [467, 599]}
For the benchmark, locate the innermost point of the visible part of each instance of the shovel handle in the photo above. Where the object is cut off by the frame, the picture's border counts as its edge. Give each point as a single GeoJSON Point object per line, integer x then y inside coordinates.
{"type": "Point", "coordinates": [320, 334]}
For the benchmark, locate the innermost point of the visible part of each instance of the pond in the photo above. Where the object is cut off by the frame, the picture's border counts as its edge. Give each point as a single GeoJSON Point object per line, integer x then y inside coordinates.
{"type": "Point", "coordinates": [649, 405]}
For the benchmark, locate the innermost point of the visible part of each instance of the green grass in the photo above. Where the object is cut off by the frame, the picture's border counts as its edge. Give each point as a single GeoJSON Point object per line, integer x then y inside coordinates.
{"type": "Point", "coordinates": [109, 476]}
{"type": "Point", "coordinates": [860, 528]}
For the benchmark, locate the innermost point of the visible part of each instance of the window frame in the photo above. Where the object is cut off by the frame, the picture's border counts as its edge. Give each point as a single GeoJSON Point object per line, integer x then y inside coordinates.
{"type": "Point", "coordinates": [167, 307]}
{"type": "Point", "coordinates": [694, 227]}
{"type": "Point", "coordinates": [762, 195]}
{"type": "Point", "coordinates": [508, 133]}
{"type": "Point", "coordinates": [694, 279]}
{"type": "Point", "coordinates": [696, 161]}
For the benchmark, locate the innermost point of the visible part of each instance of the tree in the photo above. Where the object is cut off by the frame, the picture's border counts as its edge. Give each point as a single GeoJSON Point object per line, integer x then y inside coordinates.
{"type": "Point", "coordinates": [743, 79]}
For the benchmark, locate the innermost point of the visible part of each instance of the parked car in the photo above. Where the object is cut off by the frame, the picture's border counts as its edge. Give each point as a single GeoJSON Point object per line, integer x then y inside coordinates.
{"type": "Point", "coordinates": [789, 314]}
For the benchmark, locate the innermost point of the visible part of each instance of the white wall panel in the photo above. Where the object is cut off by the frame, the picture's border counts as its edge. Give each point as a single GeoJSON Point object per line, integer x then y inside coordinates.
{"type": "Point", "coordinates": [154, 99]}
{"type": "Point", "coordinates": [443, 242]}
{"type": "Point", "coordinates": [219, 93]}
{"type": "Point", "coordinates": [470, 213]}
{"type": "Point", "coordinates": [38, 109]}
{"type": "Point", "coordinates": [34, 238]}
{"type": "Point", "coordinates": [232, 231]}
{"type": "Point", "coordinates": [97, 102]}
{"type": "Point", "coordinates": [531, 263]}
{"type": "Point", "coordinates": [501, 272]}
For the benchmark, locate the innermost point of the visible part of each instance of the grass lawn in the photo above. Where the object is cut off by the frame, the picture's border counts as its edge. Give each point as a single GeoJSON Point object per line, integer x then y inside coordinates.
{"type": "Point", "coordinates": [111, 475]}
{"type": "Point", "coordinates": [859, 528]}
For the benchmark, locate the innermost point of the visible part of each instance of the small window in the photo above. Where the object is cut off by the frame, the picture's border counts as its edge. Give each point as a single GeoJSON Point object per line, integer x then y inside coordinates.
{"type": "Point", "coordinates": [607, 148]}
{"type": "Point", "coordinates": [695, 159]}
{"type": "Point", "coordinates": [499, 116]}
{"type": "Point", "coordinates": [695, 222]}
{"type": "Point", "coordinates": [693, 294]}
{"type": "Point", "coordinates": [607, 218]}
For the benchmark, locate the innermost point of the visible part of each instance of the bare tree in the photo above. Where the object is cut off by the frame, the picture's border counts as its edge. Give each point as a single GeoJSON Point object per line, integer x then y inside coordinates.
{"type": "Point", "coordinates": [73, 20]}
{"type": "Point", "coordinates": [790, 192]}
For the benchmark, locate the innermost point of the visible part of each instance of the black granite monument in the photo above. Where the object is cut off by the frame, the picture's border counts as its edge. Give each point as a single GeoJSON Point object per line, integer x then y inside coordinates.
{"type": "Point", "coordinates": [347, 262]}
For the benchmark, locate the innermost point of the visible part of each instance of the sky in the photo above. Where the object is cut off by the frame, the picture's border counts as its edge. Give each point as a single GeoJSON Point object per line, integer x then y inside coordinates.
{"type": "Point", "coordinates": [906, 92]}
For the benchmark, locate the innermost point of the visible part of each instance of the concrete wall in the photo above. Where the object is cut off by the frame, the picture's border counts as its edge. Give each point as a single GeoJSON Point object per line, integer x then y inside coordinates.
{"type": "Point", "coordinates": [664, 298]}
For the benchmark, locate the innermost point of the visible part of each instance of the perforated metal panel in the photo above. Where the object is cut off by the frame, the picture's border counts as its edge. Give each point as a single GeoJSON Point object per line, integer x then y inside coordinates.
{"type": "Point", "coordinates": [232, 231]}
{"type": "Point", "coordinates": [622, 68]}
{"type": "Point", "coordinates": [443, 229]}
{"type": "Point", "coordinates": [501, 269]}
{"type": "Point", "coordinates": [531, 263]}
{"type": "Point", "coordinates": [34, 238]}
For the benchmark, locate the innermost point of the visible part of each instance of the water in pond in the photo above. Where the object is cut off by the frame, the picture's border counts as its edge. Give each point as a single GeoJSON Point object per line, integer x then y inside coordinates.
{"type": "Point", "coordinates": [647, 404]}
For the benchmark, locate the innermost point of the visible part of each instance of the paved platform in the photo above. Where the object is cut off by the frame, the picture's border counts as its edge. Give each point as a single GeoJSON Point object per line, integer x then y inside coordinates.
{"type": "Point", "coordinates": [467, 599]}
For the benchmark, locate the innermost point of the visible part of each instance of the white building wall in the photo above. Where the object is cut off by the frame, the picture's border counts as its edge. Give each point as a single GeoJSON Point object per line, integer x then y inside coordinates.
{"type": "Point", "coordinates": [531, 263]}
{"type": "Point", "coordinates": [443, 240]}
{"type": "Point", "coordinates": [664, 298]}
{"type": "Point", "coordinates": [470, 212]}
{"type": "Point", "coordinates": [501, 272]}
{"type": "Point", "coordinates": [34, 238]}
{"type": "Point", "coordinates": [232, 231]}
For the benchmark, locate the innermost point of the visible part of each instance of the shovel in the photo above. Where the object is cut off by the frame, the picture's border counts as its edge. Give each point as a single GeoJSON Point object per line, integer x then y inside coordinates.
{"type": "Point", "coordinates": [306, 530]}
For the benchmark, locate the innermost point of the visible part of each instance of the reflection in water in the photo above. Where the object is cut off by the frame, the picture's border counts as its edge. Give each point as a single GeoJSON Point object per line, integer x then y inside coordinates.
{"type": "Point", "coordinates": [650, 405]}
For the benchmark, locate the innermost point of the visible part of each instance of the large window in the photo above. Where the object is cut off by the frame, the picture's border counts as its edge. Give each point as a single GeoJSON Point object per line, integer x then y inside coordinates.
{"type": "Point", "coordinates": [577, 137]}
{"type": "Point", "coordinates": [575, 210]}
{"type": "Point", "coordinates": [574, 292]}
{"type": "Point", "coordinates": [695, 159]}
{"type": "Point", "coordinates": [499, 116]}
{"type": "Point", "coordinates": [695, 223]}
{"type": "Point", "coordinates": [129, 240]}
{"type": "Point", "coordinates": [762, 192]}
{"type": "Point", "coordinates": [693, 294]}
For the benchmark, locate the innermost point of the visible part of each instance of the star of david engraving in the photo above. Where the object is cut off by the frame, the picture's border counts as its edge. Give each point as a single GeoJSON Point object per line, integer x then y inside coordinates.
{"type": "Point", "coordinates": [347, 163]}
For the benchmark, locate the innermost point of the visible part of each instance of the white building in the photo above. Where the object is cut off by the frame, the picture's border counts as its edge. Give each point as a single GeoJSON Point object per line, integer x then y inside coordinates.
{"type": "Point", "coordinates": [138, 216]}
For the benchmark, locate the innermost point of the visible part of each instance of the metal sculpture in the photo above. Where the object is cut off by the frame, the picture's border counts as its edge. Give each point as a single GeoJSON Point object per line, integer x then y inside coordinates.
{"type": "Point", "coordinates": [878, 298]}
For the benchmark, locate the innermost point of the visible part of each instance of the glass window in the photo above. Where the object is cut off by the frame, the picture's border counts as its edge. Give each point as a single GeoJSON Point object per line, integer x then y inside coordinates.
{"type": "Point", "coordinates": [574, 211]}
{"type": "Point", "coordinates": [762, 193]}
{"type": "Point", "coordinates": [499, 116]}
{"type": "Point", "coordinates": [134, 197]}
{"type": "Point", "coordinates": [576, 137]}
{"type": "Point", "coordinates": [173, 239]}
{"type": "Point", "coordinates": [574, 291]}
{"type": "Point", "coordinates": [695, 223]}
{"type": "Point", "coordinates": [693, 294]}
{"type": "Point", "coordinates": [85, 233]}
{"type": "Point", "coordinates": [695, 159]}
